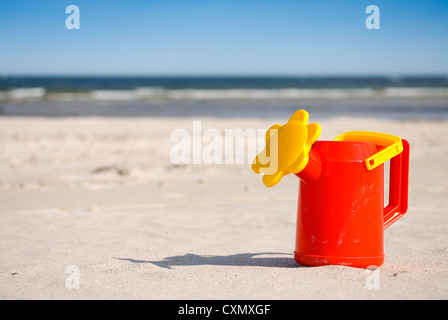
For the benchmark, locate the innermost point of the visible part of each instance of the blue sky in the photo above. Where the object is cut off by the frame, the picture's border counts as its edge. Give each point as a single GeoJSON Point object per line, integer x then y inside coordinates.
{"type": "Point", "coordinates": [225, 37]}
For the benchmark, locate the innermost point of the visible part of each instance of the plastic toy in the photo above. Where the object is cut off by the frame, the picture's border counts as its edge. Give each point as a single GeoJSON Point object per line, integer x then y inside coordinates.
{"type": "Point", "coordinates": [341, 216]}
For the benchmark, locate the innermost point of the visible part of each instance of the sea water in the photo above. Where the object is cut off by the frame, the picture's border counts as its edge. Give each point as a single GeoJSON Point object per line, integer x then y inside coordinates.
{"type": "Point", "coordinates": [225, 96]}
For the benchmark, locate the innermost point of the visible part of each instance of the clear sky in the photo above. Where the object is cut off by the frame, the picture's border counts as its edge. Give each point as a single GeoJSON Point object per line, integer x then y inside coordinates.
{"type": "Point", "coordinates": [229, 37]}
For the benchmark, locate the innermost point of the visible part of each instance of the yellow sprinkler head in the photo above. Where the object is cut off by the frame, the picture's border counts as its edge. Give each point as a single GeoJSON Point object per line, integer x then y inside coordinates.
{"type": "Point", "coordinates": [287, 148]}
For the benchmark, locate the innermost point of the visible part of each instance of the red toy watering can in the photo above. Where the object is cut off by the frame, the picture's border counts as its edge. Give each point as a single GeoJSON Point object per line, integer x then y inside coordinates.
{"type": "Point", "coordinates": [341, 216]}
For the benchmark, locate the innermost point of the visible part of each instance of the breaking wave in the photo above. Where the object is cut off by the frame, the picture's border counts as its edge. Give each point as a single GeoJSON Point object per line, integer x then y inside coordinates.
{"type": "Point", "coordinates": [162, 94]}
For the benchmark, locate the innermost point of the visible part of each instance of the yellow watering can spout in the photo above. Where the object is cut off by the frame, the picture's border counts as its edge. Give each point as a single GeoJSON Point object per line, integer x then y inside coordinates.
{"type": "Point", "coordinates": [287, 148]}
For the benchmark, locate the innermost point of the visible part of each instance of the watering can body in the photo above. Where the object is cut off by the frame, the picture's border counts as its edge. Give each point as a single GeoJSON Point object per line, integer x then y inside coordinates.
{"type": "Point", "coordinates": [341, 214]}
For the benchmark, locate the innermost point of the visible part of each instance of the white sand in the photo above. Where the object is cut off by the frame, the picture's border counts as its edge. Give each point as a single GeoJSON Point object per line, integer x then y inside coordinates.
{"type": "Point", "coordinates": [102, 194]}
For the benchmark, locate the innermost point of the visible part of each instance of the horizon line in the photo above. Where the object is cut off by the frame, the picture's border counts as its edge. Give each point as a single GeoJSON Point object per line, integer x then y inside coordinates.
{"type": "Point", "coordinates": [220, 75]}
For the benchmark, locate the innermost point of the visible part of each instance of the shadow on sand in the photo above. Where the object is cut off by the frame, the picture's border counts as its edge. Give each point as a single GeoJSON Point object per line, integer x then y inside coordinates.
{"type": "Point", "coordinates": [241, 259]}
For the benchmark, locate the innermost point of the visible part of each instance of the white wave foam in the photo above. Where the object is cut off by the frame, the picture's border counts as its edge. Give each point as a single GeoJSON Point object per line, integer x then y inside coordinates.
{"type": "Point", "coordinates": [267, 94]}
{"type": "Point", "coordinates": [23, 94]}
{"type": "Point", "coordinates": [159, 94]}
{"type": "Point", "coordinates": [144, 93]}
{"type": "Point", "coordinates": [228, 94]}
{"type": "Point", "coordinates": [114, 95]}
{"type": "Point", "coordinates": [417, 92]}
{"type": "Point", "coordinates": [312, 94]}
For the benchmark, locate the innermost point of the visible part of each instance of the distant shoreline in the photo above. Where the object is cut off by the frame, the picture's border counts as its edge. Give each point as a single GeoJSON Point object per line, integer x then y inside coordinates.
{"type": "Point", "coordinates": [398, 109]}
{"type": "Point", "coordinates": [397, 97]}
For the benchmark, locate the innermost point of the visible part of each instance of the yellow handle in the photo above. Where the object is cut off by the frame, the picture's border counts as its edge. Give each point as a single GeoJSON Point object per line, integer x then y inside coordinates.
{"type": "Point", "coordinates": [393, 145]}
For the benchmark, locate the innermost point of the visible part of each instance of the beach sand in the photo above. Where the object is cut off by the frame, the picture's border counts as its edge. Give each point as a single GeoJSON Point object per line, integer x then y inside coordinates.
{"type": "Point", "coordinates": [101, 196]}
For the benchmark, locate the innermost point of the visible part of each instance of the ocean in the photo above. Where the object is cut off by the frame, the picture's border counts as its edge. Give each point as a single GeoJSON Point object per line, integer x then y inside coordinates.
{"type": "Point", "coordinates": [225, 96]}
